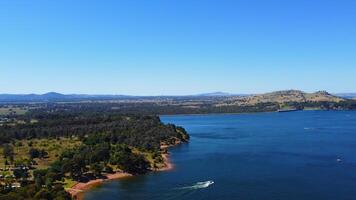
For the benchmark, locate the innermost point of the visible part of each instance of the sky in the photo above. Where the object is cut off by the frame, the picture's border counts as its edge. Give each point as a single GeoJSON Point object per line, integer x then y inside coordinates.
{"type": "Point", "coordinates": [177, 47]}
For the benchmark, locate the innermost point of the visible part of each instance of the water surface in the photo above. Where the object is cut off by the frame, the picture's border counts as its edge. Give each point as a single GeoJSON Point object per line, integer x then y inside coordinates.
{"type": "Point", "coordinates": [266, 156]}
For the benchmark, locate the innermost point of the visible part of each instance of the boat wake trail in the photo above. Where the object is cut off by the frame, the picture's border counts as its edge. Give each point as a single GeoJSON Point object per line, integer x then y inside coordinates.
{"type": "Point", "coordinates": [187, 192]}
{"type": "Point", "coordinates": [198, 185]}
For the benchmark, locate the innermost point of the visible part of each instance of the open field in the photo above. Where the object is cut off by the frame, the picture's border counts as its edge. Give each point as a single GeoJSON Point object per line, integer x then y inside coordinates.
{"type": "Point", "coordinates": [54, 148]}
{"type": "Point", "coordinates": [12, 111]}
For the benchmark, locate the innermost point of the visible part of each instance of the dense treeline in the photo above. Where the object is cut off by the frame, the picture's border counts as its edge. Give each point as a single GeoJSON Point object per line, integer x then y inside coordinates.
{"type": "Point", "coordinates": [139, 131]}
{"type": "Point", "coordinates": [324, 105]}
{"type": "Point", "coordinates": [179, 107]}
{"type": "Point", "coordinates": [151, 108]}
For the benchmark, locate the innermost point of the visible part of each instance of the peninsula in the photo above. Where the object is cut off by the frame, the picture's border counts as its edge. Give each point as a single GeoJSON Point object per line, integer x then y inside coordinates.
{"type": "Point", "coordinates": [45, 154]}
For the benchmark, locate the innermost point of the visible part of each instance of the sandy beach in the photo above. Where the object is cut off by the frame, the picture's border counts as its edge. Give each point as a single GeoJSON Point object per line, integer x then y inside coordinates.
{"type": "Point", "coordinates": [76, 191]}
{"type": "Point", "coordinates": [168, 164]}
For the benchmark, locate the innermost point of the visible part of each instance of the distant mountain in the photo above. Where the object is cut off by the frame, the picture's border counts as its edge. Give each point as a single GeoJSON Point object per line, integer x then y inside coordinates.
{"type": "Point", "coordinates": [30, 97]}
{"type": "Point", "coordinates": [283, 97]}
{"type": "Point", "coordinates": [214, 94]}
{"type": "Point", "coordinates": [54, 96]}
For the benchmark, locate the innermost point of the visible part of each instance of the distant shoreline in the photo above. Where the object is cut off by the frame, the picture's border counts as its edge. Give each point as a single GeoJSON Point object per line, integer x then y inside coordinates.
{"type": "Point", "coordinates": [77, 191]}
{"type": "Point", "coordinates": [244, 113]}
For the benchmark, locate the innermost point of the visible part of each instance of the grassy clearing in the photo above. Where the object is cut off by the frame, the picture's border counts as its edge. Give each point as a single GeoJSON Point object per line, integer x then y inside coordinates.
{"type": "Point", "coordinates": [54, 148]}
{"type": "Point", "coordinates": [68, 183]}
{"type": "Point", "coordinates": [13, 111]}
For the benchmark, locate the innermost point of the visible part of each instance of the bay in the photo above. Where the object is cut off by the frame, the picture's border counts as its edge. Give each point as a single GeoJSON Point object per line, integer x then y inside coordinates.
{"type": "Point", "coordinates": [269, 156]}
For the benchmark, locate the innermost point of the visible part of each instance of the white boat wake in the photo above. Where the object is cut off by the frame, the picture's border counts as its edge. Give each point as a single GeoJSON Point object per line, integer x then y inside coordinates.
{"type": "Point", "coordinates": [199, 185]}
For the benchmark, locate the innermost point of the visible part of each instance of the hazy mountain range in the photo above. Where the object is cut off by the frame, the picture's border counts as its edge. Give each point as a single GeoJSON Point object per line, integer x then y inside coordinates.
{"type": "Point", "coordinates": [54, 96]}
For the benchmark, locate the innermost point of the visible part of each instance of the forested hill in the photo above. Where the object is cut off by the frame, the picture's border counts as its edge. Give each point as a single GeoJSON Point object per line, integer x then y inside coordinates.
{"type": "Point", "coordinates": [44, 152]}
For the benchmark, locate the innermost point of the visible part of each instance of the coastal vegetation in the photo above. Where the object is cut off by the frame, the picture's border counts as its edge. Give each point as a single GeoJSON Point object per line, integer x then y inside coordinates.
{"type": "Point", "coordinates": [40, 159]}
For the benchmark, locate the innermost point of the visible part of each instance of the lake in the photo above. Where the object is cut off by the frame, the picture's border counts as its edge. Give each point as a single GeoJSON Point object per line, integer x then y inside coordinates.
{"type": "Point", "coordinates": [265, 156]}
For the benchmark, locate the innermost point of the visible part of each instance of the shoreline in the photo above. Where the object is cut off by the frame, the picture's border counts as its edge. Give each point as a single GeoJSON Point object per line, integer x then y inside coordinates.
{"type": "Point", "coordinates": [214, 113]}
{"type": "Point", "coordinates": [238, 113]}
{"type": "Point", "coordinates": [77, 190]}
{"type": "Point", "coordinates": [167, 162]}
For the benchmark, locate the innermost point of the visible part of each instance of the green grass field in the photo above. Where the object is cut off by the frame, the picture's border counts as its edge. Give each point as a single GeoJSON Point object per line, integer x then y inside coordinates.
{"type": "Point", "coordinates": [54, 148]}
{"type": "Point", "coordinates": [12, 110]}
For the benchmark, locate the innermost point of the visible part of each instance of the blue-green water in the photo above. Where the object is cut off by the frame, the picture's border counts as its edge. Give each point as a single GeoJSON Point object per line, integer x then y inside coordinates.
{"type": "Point", "coordinates": [268, 156]}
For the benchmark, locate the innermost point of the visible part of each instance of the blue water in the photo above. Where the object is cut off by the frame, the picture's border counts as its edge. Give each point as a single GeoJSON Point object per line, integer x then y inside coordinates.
{"type": "Point", "coordinates": [267, 156]}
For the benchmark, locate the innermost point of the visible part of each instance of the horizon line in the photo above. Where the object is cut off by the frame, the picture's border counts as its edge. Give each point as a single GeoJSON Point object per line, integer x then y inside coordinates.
{"type": "Point", "coordinates": [217, 93]}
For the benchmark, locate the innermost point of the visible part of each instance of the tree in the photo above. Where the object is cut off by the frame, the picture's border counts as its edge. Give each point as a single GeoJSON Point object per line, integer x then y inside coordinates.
{"type": "Point", "coordinates": [42, 153]}
{"type": "Point", "coordinates": [43, 194]}
{"type": "Point", "coordinates": [34, 153]}
{"type": "Point", "coordinates": [21, 173]}
{"type": "Point", "coordinates": [40, 176]}
{"type": "Point", "coordinates": [97, 168]}
{"type": "Point", "coordinates": [8, 152]}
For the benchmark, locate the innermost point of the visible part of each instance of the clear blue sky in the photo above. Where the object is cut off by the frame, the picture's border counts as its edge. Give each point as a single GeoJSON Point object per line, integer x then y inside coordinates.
{"type": "Point", "coordinates": [170, 47]}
